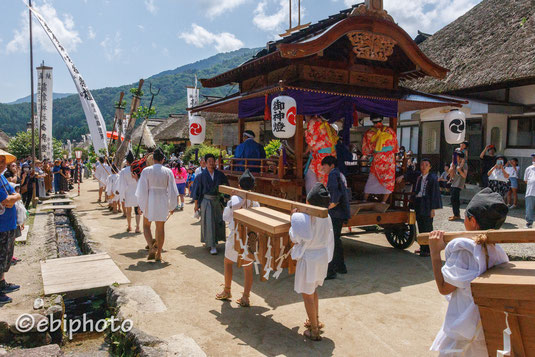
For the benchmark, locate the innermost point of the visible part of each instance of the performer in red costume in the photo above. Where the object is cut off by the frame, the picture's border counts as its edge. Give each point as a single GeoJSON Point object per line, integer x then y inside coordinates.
{"type": "Point", "coordinates": [381, 145]}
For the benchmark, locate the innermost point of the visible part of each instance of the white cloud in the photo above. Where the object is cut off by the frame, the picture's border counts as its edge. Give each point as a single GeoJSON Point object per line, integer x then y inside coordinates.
{"type": "Point", "coordinates": [201, 37]}
{"type": "Point", "coordinates": [112, 46]}
{"type": "Point", "coordinates": [141, 28]}
{"type": "Point", "coordinates": [214, 8]}
{"type": "Point", "coordinates": [424, 15]}
{"type": "Point", "coordinates": [275, 20]}
{"type": "Point", "coordinates": [149, 4]}
{"type": "Point", "coordinates": [91, 33]}
{"type": "Point", "coordinates": [62, 28]}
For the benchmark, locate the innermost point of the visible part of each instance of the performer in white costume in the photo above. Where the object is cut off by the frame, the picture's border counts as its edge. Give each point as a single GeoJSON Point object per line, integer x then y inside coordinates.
{"type": "Point", "coordinates": [112, 189]}
{"type": "Point", "coordinates": [157, 196]}
{"type": "Point", "coordinates": [461, 334]}
{"type": "Point", "coordinates": [313, 249]}
{"type": "Point", "coordinates": [127, 190]}
{"type": "Point", "coordinates": [102, 171]}
{"type": "Point", "coordinates": [246, 182]}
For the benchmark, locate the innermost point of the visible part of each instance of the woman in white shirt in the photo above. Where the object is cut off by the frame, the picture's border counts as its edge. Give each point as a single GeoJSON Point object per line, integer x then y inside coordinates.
{"type": "Point", "coordinates": [498, 177]}
{"type": "Point", "coordinates": [512, 170]}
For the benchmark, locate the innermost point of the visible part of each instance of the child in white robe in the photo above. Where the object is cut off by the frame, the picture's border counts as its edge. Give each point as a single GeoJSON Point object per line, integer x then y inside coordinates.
{"type": "Point", "coordinates": [235, 203]}
{"type": "Point", "coordinates": [462, 334]}
{"type": "Point", "coordinates": [112, 190]}
{"type": "Point", "coordinates": [127, 190]}
{"type": "Point", "coordinates": [313, 249]}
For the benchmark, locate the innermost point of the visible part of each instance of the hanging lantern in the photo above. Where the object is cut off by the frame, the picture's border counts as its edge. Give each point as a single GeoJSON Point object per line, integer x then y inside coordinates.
{"type": "Point", "coordinates": [197, 129]}
{"type": "Point", "coordinates": [455, 127]}
{"type": "Point", "coordinates": [283, 117]}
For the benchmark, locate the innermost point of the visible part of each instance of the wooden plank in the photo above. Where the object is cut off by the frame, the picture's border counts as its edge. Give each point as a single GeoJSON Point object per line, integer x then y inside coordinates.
{"type": "Point", "coordinates": [264, 219]}
{"type": "Point", "coordinates": [74, 276]}
{"type": "Point", "coordinates": [371, 218]}
{"type": "Point", "coordinates": [58, 200]}
{"type": "Point", "coordinates": [276, 202]}
{"type": "Point", "coordinates": [513, 280]}
{"type": "Point", "coordinates": [55, 207]}
{"type": "Point", "coordinates": [499, 236]}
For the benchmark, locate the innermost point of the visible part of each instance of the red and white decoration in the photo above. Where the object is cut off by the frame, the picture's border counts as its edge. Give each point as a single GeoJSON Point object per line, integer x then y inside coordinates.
{"type": "Point", "coordinates": [455, 127]}
{"type": "Point", "coordinates": [197, 129]}
{"type": "Point", "coordinates": [283, 117]}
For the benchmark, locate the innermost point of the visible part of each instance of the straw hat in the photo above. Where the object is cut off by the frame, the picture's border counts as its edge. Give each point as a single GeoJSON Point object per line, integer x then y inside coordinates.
{"type": "Point", "coordinates": [9, 157]}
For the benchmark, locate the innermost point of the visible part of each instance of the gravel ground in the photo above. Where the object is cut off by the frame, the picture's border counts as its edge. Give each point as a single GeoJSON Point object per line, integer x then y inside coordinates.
{"type": "Point", "coordinates": [515, 220]}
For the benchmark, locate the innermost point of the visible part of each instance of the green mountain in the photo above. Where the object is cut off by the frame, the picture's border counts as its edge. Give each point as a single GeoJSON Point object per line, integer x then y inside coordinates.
{"type": "Point", "coordinates": [70, 122]}
{"type": "Point", "coordinates": [27, 99]}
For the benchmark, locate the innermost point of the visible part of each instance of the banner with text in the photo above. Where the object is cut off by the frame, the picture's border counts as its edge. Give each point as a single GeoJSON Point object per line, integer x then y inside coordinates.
{"type": "Point", "coordinates": [97, 126]}
{"type": "Point", "coordinates": [43, 113]}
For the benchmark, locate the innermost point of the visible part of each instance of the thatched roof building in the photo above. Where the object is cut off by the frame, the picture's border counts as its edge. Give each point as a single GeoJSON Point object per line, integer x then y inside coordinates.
{"type": "Point", "coordinates": [492, 46]}
{"type": "Point", "coordinates": [4, 140]}
{"type": "Point", "coordinates": [152, 124]}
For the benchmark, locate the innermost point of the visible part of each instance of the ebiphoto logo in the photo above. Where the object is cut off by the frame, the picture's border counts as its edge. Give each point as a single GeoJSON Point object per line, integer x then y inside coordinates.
{"type": "Point", "coordinates": [27, 323]}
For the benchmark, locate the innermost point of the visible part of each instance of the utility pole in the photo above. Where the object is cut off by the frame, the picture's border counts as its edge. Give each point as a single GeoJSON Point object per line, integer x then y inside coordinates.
{"type": "Point", "coordinates": [32, 100]}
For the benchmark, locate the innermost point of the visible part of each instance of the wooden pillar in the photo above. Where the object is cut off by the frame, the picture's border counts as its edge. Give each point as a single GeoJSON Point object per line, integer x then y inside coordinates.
{"type": "Point", "coordinates": [241, 129]}
{"type": "Point", "coordinates": [299, 146]}
{"type": "Point", "coordinates": [394, 123]}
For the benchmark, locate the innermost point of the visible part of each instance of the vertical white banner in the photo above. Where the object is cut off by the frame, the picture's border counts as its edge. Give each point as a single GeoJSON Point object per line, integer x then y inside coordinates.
{"type": "Point", "coordinates": [43, 113]}
{"type": "Point", "coordinates": [97, 126]}
{"type": "Point", "coordinates": [193, 98]}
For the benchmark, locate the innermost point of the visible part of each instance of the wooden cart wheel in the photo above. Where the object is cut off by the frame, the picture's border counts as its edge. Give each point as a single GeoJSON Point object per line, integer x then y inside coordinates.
{"type": "Point", "coordinates": [401, 236]}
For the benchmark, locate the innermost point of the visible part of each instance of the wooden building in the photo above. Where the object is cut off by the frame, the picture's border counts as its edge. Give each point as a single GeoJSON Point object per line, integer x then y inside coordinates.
{"type": "Point", "coordinates": [490, 52]}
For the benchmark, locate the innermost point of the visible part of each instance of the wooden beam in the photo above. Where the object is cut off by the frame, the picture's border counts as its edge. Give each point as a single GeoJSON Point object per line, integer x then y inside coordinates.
{"type": "Point", "coordinates": [241, 129]}
{"type": "Point", "coordinates": [282, 204]}
{"type": "Point", "coordinates": [299, 142]}
{"type": "Point", "coordinates": [500, 236]}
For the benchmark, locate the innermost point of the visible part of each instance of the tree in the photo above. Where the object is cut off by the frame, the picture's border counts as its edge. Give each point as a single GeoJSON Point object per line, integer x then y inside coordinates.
{"type": "Point", "coordinates": [21, 145]}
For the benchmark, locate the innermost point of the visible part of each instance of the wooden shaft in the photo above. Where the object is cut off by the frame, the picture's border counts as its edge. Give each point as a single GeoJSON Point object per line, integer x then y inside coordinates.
{"type": "Point", "coordinates": [299, 146]}
{"type": "Point", "coordinates": [499, 236]}
{"type": "Point", "coordinates": [241, 129]}
{"type": "Point", "coordinates": [282, 204]}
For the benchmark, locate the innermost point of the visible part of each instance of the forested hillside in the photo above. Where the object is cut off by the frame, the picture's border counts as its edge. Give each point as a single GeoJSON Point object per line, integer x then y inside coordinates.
{"type": "Point", "coordinates": [69, 120]}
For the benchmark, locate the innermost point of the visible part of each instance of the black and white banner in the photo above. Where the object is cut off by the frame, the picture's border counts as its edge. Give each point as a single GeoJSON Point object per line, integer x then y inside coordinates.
{"type": "Point", "coordinates": [97, 126]}
{"type": "Point", "coordinates": [43, 113]}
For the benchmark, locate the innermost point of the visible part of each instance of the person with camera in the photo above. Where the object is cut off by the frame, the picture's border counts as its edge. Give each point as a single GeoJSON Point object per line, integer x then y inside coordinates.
{"type": "Point", "coordinates": [488, 160]}
{"type": "Point", "coordinates": [458, 173]}
{"type": "Point", "coordinates": [499, 178]}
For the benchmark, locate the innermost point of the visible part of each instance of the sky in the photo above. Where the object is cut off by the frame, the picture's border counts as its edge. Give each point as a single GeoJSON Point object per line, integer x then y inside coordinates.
{"type": "Point", "coordinates": [116, 42]}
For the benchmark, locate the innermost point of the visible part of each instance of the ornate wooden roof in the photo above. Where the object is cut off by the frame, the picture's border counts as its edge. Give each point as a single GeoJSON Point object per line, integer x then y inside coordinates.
{"type": "Point", "coordinates": [359, 42]}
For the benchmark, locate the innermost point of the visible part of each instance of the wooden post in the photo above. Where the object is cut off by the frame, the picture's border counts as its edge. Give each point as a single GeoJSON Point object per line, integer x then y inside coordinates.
{"type": "Point", "coordinates": [394, 123]}
{"type": "Point", "coordinates": [281, 167]}
{"type": "Point", "coordinates": [121, 152]}
{"type": "Point", "coordinates": [241, 129]}
{"type": "Point", "coordinates": [299, 146]}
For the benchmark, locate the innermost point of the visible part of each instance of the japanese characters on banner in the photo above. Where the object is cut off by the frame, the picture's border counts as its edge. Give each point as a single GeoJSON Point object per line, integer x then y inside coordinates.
{"type": "Point", "coordinates": [43, 113]}
{"type": "Point", "coordinates": [455, 127]}
{"type": "Point", "coordinates": [97, 126]}
{"type": "Point", "coordinates": [283, 117]}
{"type": "Point", "coordinates": [193, 98]}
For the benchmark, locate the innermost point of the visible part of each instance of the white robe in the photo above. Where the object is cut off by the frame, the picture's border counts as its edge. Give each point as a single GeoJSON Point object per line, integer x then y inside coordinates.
{"type": "Point", "coordinates": [111, 187]}
{"type": "Point", "coordinates": [235, 203]}
{"type": "Point", "coordinates": [101, 174]}
{"type": "Point", "coordinates": [313, 249]}
{"type": "Point", "coordinates": [127, 187]}
{"type": "Point", "coordinates": [462, 334]}
{"type": "Point", "coordinates": [156, 193]}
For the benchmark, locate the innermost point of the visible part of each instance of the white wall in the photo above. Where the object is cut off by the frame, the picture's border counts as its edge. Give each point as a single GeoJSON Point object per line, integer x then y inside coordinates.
{"type": "Point", "coordinates": [522, 95]}
{"type": "Point", "coordinates": [497, 121]}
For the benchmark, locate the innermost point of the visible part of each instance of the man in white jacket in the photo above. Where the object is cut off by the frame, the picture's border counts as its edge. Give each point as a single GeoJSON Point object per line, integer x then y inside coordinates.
{"type": "Point", "coordinates": [102, 171]}
{"type": "Point", "coordinates": [461, 334]}
{"type": "Point", "coordinates": [127, 191]}
{"type": "Point", "coordinates": [157, 196]}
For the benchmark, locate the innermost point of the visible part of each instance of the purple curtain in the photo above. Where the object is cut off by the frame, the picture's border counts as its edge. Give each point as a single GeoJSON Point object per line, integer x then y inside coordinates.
{"type": "Point", "coordinates": [335, 107]}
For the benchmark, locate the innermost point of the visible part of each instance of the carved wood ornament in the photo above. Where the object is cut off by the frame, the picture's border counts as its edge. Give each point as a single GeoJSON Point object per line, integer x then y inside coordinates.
{"type": "Point", "coordinates": [370, 46]}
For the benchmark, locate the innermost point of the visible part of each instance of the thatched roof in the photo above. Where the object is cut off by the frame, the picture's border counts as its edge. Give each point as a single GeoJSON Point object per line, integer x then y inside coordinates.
{"type": "Point", "coordinates": [4, 140]}
{"type": "Point", "coordinates": [491, 45]}
{"type": "Point", "coordinates": [152, 124]}
{"type": "Point", "coordinates": [176, 128]}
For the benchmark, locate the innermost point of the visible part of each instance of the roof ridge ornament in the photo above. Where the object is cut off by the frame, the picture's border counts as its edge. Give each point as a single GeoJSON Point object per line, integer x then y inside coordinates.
{"type": "Point", "coordinates": [371, 46]}
{"type": "Point", "coordinates": [372, 8]}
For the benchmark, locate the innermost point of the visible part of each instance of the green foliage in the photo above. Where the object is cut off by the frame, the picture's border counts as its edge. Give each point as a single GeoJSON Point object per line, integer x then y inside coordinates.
{"type": "Point", "coordinates": [136, 92]}
{"type": "Point", "coordinates": [144, 112]}
{"type": "Point", "coordinates": [85, 153]}
{"type": "Point", "coordinates": [272, 148]}
{"type": "Point", "coordinates": [20, 145]}
{"type": "Point", "coordinates": [168, 149]}
{"type": "Point", "coordinates": [121, 105]}
{"type": "Point", "coordinates": [69, 119]}
{"type": "Point", "coordinates": [141, 149]}
{"type": "Point", "coordinates": [523, 22]}
{"type": "Point", "coordinates": [189, 154]}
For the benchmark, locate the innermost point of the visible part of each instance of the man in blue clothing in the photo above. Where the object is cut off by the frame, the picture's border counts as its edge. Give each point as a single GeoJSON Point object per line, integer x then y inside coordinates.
{"type": "Point", "coordinates": [338, 211]}
{"type": "Point", "coordinates": [249, 149]}
{"type": "Point", "coordinates": [8, 227]}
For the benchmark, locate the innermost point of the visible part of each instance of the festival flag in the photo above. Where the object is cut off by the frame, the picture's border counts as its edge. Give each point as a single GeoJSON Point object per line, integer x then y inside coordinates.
{"type": "Point", "coordinates": [97, 126]}
{"type": "Point", "coordinates": [43, 113]}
